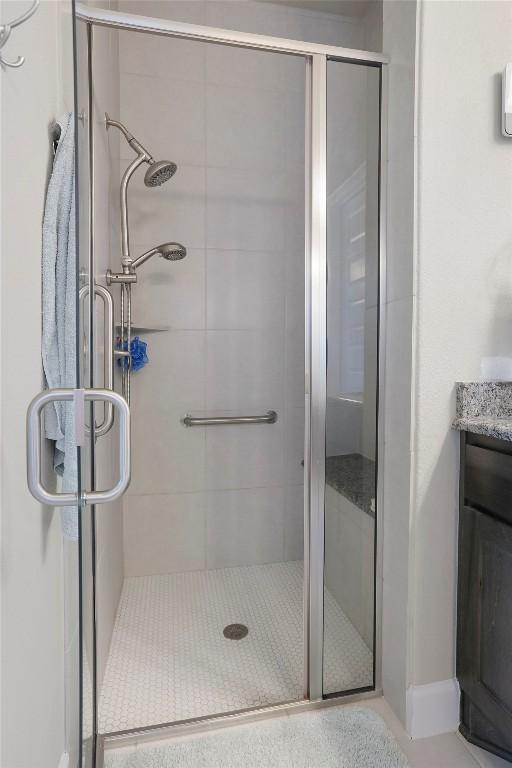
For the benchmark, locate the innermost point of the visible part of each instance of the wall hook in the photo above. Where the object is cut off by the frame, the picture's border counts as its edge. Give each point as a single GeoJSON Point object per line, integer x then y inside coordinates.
{"type": "Point", "coordinates": [5, 33]}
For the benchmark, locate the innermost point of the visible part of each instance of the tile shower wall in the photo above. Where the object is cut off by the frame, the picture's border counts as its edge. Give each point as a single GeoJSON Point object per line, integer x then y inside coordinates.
{"type": "Point", "coordinates": [233, 120]}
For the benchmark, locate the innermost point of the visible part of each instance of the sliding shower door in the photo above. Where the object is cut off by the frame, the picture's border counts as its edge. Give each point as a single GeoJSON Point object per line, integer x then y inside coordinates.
{"type": "Point", "coordinates": [353, 142]}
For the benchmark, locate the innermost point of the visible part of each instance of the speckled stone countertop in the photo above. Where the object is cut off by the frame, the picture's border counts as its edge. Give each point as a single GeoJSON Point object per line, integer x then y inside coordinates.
{"type": "Point", "coordinates": [485, 407]}
{"type": "Point", "coordinates": [353, 476]}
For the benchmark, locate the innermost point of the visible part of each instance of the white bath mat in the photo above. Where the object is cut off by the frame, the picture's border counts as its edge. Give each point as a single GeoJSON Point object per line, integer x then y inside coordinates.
{"type": "Point", "coordinates": [341, 737]}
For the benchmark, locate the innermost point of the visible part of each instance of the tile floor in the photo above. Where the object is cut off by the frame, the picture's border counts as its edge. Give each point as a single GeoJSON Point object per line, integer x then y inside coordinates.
{"type": "Point", "coordinates": [449, 750]}
{"type": "Point", "coordinates": [170, 661]}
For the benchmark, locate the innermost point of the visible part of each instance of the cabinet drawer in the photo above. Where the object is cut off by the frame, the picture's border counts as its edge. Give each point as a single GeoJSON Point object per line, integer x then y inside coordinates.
{"type": "Point", "coordinates": [488, 481]}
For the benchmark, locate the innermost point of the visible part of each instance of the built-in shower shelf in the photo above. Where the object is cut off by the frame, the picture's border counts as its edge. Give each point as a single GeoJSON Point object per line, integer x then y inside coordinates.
{"type": "Point", "coordinates": [144, 329]}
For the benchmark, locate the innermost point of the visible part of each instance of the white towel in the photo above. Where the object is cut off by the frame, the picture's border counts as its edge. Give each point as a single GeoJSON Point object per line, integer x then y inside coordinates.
{"type": "Point", "coordinates": [59, 292]}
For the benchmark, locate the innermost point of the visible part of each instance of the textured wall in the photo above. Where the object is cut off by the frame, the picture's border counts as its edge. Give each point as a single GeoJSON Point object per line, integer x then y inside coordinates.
{"type": "Point", "coordinates": [36, 643]}
{"type": "Point", "coordinates": [464, 282]}
{"type": "Point", "coordinates": [448, 304]}
{"type": "Point", "coordinates": [399, 43]}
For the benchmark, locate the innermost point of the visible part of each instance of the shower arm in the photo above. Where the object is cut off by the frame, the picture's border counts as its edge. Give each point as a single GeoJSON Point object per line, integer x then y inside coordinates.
{"type": "Point", "coordinates": [137, 147]}
{"type": "Point", "coordinates": [143, 156]}
{"type": "Point", "coordinates": [135, 263]}
{"type": "Point", "coordinates": [125, 237]}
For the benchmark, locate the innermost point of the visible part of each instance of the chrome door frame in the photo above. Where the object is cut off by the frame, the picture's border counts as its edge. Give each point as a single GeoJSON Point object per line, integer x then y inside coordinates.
{"type": "Point", "coordinates": [134, 22]}
{"type": "Point", "coordinates": [316, 56]}
{"type": "Point", "coordinates": [316, 336]}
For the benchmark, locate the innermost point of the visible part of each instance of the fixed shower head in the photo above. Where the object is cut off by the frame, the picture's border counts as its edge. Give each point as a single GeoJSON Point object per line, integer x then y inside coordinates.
{"type": "Point", "coordinates": [159, 172]}
{"type": "Point", "coordinates": [168, 251]}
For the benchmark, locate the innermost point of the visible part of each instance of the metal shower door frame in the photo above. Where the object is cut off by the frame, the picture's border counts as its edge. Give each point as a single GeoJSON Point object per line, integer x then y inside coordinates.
{"type": "Point", "coordinates": [316, 57]}
{"type": "Point", "coordinates": [316, 362]}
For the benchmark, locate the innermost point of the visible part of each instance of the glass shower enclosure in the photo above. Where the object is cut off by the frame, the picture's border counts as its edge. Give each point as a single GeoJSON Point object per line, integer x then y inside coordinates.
{"type": "Point", "coordinates": [240, 571]}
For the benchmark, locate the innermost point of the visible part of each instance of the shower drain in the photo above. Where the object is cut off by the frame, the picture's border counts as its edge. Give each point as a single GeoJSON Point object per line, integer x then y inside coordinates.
{"type": "Point", "coordinates": [235, 631]}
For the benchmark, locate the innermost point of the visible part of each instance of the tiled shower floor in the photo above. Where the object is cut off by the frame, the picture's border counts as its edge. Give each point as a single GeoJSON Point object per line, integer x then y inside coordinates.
{"type": "Point", "coordinates": [170, 661]}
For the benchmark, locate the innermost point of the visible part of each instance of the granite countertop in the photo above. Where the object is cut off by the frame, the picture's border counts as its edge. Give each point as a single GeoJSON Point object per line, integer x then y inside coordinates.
{"type": "Point", "coordinates": [353, 476]}
{"type": "Point", "coordinates": [485, 408]}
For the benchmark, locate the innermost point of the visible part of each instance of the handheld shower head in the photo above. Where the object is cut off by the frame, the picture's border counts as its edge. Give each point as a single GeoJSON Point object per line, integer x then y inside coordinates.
{"type": "Point", "coordinates": [159, 172]}
{"type": "Point", "coordinates": [172, 251]}
{"type": "Point", "coordinates": [168, 251]}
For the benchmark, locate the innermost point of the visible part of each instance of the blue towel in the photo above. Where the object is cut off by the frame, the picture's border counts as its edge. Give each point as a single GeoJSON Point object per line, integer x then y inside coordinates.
{"type": "Point", "coordinates": [59, 270]}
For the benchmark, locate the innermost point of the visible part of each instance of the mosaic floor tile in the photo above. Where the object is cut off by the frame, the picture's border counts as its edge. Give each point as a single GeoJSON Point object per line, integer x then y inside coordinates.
{"type": "Point", "coordinates": [169, 659]}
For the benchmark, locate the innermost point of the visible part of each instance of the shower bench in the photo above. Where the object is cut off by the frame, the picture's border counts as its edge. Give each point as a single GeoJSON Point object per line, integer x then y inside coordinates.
{"type": "Point", "coordinates": [350, 537]}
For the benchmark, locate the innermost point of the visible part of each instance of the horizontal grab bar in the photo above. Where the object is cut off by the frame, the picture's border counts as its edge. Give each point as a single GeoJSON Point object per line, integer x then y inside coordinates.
{"type": "Point", "coordinates": [270, 417]}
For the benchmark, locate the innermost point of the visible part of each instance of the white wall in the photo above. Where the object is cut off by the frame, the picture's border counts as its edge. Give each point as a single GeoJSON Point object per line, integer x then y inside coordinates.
{"type": "Point", "coordinates": [34, 635]}
{"type": "Point", "coordinates": [399, 43]}
{"type": "Point", "coordinates": [448, 309]}
{"type": "Point", "coordinates": [464, 283]}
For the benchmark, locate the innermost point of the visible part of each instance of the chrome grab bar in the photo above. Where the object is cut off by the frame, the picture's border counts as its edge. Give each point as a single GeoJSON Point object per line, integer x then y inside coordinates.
{"type": "Point", "coordinates": [108, 352]}
{"type": "Point", "coordinates": [270, 417]}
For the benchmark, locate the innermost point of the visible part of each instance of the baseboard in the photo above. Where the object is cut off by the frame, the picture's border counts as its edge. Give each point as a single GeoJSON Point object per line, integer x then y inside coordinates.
{"type": "Point", "coordinates": [433, 709]}
{"type": "Point", "coordinates": [64, 760]}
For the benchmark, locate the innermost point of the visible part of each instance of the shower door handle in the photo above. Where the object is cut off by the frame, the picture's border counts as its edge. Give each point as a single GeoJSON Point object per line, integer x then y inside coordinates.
{"type": "Point", "coordinates": [78, 397]}
{"type": "Point", "coordinates": [108, 352]}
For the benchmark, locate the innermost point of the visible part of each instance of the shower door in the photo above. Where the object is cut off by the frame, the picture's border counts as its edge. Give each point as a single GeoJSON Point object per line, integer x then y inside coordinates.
{"type": "Point", "coordinates": [239, 570]}
{"type": "Point", "coordinates": [199, 575]}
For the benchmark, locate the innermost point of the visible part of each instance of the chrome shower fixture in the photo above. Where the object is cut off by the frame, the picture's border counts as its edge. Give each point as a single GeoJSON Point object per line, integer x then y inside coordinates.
{"type": "Point", "coordinates": [158, 173]}
{"type": "Point", "coordinates": [168, 251]}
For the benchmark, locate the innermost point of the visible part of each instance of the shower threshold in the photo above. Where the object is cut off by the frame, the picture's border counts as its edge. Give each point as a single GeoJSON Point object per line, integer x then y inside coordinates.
{"type": "Point", "coordinates": [170, 661]}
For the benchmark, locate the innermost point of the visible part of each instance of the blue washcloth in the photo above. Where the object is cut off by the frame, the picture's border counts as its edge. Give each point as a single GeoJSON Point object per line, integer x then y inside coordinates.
{"type": "Point", "coordinates": [138, 354]}
{"type": "Point", "coordinates": [59, 270]}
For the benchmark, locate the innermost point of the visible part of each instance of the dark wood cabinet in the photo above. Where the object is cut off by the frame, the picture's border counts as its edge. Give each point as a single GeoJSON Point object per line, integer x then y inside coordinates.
{"type": "Point", "coordinates": [484, 608]}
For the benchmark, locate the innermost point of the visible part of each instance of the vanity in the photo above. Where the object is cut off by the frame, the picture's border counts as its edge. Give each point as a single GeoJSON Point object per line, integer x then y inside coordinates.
{"type": "Point", "coordinates": [484, 593]}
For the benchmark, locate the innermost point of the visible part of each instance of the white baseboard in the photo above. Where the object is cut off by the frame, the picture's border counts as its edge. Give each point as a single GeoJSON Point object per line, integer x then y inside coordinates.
{"type": "Point", "coordinates": [64, 760]}
{"type": "Point", "coordinates": [433, 709]}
